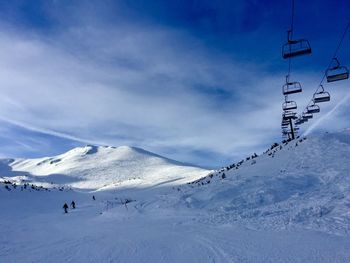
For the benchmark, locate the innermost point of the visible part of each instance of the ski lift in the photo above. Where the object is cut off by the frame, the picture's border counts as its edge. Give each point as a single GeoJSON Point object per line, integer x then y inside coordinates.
{"type": "Point", "coordinates": [294, 48]}
{"type": "Point", "coordinates": [298, 121]}
{"type": "Point", "coordinates": [307, 115]}
{"type": "Point", "coordinates": [291, 87]}
{"type": "Point", "coordinates": [302, 119]}
{"type": "Point", "coordinates": [285, 132]}
{"type": "Point", "coordinates": [313, 108]}
{"type": "Point", "coordinates": [287, 115]}
{"type": "Point", "coordinates": [321, 96]}
{"type": "Point", "coordinates": [289, 105]}
{"type": "Point", "coordinates": [337, 72]}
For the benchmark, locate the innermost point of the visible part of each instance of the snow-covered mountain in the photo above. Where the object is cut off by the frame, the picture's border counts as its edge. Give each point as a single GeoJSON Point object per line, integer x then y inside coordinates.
{"type": "Point", "coordinates": [97, 167]}
{"type": "Point", "coordinates": [290, 204]}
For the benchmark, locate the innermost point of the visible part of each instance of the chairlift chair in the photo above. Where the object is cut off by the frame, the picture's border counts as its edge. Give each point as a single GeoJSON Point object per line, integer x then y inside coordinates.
{"type": "Point", "coordinates": [287, 115]}
{"type": "Point", "coordinates": [313, 108]}
{"type": "Point", "coordinates": [285, 132]}
{"type": "Point", "coordinates": [304, 119]}
{"type": "Point", "coordinates": [291, 87]}
{"type": "Point", "coordinates": [289, 105]}
{"type": "Point", "coordinates": [337, 72]}
{"type": "Point", "coordinates": [294, 48]}
{"type": "Point", "coordinates": [307, 115]}
{"type": "Point", "coordinates": [298, 121]}
{"type": "Point", "coordinates": [321, 96]}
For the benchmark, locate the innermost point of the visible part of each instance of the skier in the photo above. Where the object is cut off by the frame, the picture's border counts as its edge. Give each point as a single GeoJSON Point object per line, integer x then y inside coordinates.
{"type": "Point", "coordinates": [93, 197]}
{"type": "Point", "coordinates": [65, 207]}
{"type": "Point", "coordinates": [73, 204]}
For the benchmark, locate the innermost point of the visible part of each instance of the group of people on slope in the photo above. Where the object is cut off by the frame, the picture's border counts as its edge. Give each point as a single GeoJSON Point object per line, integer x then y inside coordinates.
{"type": "Point", "coordinates": [65, 206]}
{"type": "Point", "coordinates": [72, 204]}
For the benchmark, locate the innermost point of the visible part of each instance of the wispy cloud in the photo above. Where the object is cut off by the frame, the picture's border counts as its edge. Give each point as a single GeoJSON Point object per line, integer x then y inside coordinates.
{"type": "Point", "coordinates": [143, 85]}
{"type": "Point", "coordinates": [326, 116]}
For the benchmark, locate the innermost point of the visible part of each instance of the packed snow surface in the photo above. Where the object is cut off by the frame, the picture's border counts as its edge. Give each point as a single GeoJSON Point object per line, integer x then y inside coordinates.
{"type": "Point", "coordinates": [290, 204]}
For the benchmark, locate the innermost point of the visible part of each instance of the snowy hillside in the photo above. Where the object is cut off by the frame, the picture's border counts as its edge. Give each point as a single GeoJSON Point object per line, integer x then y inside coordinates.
{"type": "Point", "coordinates": [96, 167]}
{"type": "Point", "coordinates": [290, 204]}
{"type": "Point", "coordinates": [305, 182]}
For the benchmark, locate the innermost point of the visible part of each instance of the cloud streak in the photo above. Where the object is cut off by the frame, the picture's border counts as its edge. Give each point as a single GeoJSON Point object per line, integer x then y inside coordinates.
{"type": "Point", "coordinates": [327, 115]}
{"type": "Point", "coordinates": [150, 86]}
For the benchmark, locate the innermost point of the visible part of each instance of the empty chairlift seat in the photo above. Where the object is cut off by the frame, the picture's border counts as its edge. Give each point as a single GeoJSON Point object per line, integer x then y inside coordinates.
{"type": "Point", "coordinates": [299, 120]}
{"type": "Point", "coordinates": [307, 115]}
{"type": "Point", "coordinates": [337, 72]}
{"type": "Point", "coordinates": [287, 115]}
{"type": "Point", "coordinates": [289, 105]}
{"type": "Point", "coordinates": [291, 88]}
{"type": "Point", "coordinates": [321, 95]}
{"type": "Point", "coordinates": [285, 132]}
{"type": "Point", "coordinates": [313, 108]}
{"type": "Point", "coordinates": [294, 48]}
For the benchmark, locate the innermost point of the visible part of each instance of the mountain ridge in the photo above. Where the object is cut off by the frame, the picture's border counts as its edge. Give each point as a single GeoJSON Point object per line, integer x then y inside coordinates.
{"type": "Point", "coordinates": [103, 166]}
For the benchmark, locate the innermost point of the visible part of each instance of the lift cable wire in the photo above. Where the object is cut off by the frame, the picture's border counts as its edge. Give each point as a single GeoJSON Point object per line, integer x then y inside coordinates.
{"type": "Point", "coordinates": [290, 36]}
{"type": "Point", "coordinates": [292, 21]}
{"type": "Point", "coordinates": [288, 105]}
{"type": "Point", "coordinates": [336, 50]}
{"type": "Point", "coordinates": [332, 59]}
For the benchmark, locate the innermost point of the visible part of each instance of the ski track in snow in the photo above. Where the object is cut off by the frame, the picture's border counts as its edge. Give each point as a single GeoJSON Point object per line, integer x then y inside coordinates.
{"type": "Point", "coordinates": [119, 235]}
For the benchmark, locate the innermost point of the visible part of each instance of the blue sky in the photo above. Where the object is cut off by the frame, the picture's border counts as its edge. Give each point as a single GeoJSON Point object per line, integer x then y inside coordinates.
{"type": "Point", "coordinates": [196, 81]}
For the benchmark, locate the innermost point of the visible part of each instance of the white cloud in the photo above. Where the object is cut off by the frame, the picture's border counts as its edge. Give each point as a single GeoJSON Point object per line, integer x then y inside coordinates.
{"type": "Point", "coordinates": [145, 86]}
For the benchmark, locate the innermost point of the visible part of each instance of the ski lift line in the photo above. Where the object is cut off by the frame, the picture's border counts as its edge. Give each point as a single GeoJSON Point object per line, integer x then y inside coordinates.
{"type": "Point", "coordinates": [292, 20]}
{"type": "Point", "coordinates": [337, 72]}
{"type": "Point", "coordinates": [290, 50]}
{"type": "Point", "coordinates": [336, 51]}
{"type": "Point", "coordinates": [291, 35]}
{"type": "Point", "coordinates": [294, 47]}
{"type": "Point", "coordinates": [330, 63]}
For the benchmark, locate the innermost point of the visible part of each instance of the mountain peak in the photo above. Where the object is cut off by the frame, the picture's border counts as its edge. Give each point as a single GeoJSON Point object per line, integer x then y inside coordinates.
{"type": "Point", "coordinates": [95, 167]}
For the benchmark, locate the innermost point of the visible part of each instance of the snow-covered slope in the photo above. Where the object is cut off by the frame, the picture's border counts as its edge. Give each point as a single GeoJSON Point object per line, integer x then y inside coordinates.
{"type": "Point", "coordinates": [97, 167]}
{"type": "Point", "coordinates": [305, 182]}
{"type": "Point", "coordinates": [290, 204]}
